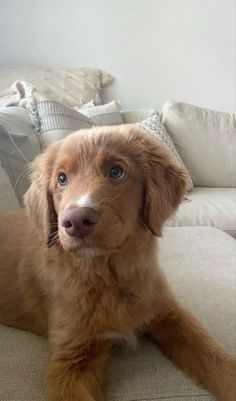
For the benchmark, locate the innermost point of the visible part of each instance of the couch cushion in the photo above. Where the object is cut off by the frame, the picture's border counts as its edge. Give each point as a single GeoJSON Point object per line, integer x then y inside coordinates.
{"type": "Point", "coordinates": [54, 121]}
{"type": "Point", "coordinates": [202, 276]}
{"type": "Point", "coordinates": [200, 265]}
{"type": "Point", "coordinates": [19, 145]}
{"type": "Point", "coordinates": [205, 140]}
{"type": "Point", "coordinates": [214, 207]}
{"type": "Point", "coordinates": [8, 198]}
{"type": "Point", "coordinates": [106, 114]}
{"type": "Point", "coordinates": [136, 115]}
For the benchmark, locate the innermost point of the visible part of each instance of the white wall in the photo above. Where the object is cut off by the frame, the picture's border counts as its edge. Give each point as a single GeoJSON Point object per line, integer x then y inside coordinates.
{"type": "Point", "coordinates": [156, 49]}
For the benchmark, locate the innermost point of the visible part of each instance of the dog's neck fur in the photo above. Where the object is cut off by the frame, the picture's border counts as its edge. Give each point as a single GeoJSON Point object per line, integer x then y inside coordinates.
{"type": "Point", "coordinates": [92, 266]}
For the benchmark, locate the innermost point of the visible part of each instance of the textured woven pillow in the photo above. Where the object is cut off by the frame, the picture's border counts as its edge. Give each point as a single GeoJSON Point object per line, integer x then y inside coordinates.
{"type": "Point", "coordinates": [154, 127]}
{"type": "Point", "coordinates": [73, 87]}
{"type": "Point", "coordinates": [106, 114]}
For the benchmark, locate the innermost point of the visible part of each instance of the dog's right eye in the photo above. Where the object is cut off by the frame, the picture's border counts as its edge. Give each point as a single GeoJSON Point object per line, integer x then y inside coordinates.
{"type": "Point", "coordinates": [62, 179]}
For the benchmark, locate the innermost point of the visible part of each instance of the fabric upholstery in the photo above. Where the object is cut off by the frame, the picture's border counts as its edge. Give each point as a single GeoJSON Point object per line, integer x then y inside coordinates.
{"type": "Point", "coordinates": [136, 115]}
{"type": "Point", "coordinates": [205, 140]}
{"type": "Point", "coordinates": [54, 121]}
{"type": "Point", "coordinates": [106, 114]}
{"type": "Point", "coordinates": [153, 126]}
{"type": "Point", "coordinates": [71, 86]}
{"type": "Point", "coordinates": [214, 207]}
{"type": "Point", "coordinates": [200, 265]}
{"type": "Point", "coordinates": [8, 198]}
{"type": "Point", "coordinates": [19, 145]}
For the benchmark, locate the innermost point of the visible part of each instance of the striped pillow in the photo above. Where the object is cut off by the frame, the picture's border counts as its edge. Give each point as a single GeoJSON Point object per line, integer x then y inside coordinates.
{"type": "Point", "coordinates": [54, 121]}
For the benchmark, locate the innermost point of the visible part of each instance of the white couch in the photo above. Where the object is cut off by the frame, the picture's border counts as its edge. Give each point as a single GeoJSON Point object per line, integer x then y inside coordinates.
{"type": "Point", "coordinates": [206, 142]}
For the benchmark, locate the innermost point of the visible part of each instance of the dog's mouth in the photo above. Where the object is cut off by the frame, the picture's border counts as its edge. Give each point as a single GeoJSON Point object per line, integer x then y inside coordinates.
{"type": "Point", "coordinates": [81, 249]}
{"type": "Point", "coordinates": [78, 245]}
{"type": "Point", "coordinates": [87, 247]}
{"type": "Point", "coordinates": [68, 242]}
{"type": "Point", "coordinates": [75, 241]}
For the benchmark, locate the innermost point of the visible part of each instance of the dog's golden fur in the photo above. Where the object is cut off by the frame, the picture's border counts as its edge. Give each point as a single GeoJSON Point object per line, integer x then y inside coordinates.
{"type": "Point", "coordinates": [87, 294]}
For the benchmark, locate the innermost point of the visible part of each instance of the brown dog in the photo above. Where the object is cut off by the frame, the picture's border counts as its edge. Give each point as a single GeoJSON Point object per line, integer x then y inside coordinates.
{"type": "Point", "coordinates": [82, 268]}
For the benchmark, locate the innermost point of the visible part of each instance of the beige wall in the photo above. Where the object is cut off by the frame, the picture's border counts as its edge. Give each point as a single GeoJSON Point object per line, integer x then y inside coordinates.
{"type": "Point", "coordinates": [156, 49]}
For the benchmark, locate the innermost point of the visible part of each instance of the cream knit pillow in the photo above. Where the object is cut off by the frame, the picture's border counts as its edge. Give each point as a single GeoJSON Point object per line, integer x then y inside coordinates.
{"type": "Point", "coordinates": [154, 127]}
{"type": "Point", "coordinates": [71, 86]}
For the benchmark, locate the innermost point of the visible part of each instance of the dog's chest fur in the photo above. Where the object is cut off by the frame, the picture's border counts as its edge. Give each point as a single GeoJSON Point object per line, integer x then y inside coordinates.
{"type": "Point", "coordinates": [99, 299]}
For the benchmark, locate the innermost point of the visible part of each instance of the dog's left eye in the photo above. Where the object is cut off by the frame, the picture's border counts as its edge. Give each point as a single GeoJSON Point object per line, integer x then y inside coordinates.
{"type": "Point", "coordinates": [62, 179]}
{"type": "Point", "coordinates": [116, 172]}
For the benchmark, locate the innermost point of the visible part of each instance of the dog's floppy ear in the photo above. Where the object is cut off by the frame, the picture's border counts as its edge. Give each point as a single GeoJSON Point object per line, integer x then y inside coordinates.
{"type": "Point", "coordinates": [38, 199]}
{"type": "Point", "coordinates": [165, 185]}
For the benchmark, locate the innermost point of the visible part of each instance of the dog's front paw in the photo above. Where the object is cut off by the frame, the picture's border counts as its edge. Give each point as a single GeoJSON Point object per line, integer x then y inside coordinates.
{"type": "Point", "coordinates": [70, 387]}
{"type": "Point", "coordinates": [229, 391]}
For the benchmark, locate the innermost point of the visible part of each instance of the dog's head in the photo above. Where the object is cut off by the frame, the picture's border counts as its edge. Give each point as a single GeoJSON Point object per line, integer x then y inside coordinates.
{"type": "Point", "coordinates": [98, 187]}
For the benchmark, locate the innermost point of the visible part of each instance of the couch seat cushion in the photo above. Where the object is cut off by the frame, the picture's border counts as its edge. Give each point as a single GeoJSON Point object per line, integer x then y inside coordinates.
{"type": "Point", "coordinates": [200, 265]}
{"type": "Point", "coordinates": [214, 207]}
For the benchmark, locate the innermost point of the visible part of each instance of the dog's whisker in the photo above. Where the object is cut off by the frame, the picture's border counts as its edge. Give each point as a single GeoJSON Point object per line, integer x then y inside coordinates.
{"type": "Point", "coordinates": [109, 199]}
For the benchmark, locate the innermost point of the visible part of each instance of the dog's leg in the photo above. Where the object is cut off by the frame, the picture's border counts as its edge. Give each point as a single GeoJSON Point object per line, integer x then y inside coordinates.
{"type": "Point", "coordinates": [76, 375]}
{"type": "Point", "coordinates": [191, 348]}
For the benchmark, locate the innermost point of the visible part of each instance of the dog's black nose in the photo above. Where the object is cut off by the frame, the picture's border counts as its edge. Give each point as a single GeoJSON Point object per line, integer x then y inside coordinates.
{"type": "Point", "coordinates": [80, 221]}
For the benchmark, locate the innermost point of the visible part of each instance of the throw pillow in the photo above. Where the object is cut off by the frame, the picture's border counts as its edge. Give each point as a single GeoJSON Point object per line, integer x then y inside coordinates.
{"type": "Point", "coordinates": [154, 127]}
{"type": "Point", "coordinates": [106, 114]}
{"type": "Point", "coordinates": [71, 86]}
{"type": "Point", "coordinates": [54, 121]}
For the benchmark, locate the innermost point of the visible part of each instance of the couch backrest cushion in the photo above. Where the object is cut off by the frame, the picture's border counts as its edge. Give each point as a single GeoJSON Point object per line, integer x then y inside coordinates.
{"type": "Point", "coordinates": [8, 198]}
{"type": "Point", "coordinates": [136, 115]}
{"type": "Point", "coordinates": [19, 145]}
{"type": "Point", "coordinates": [205, 140]}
